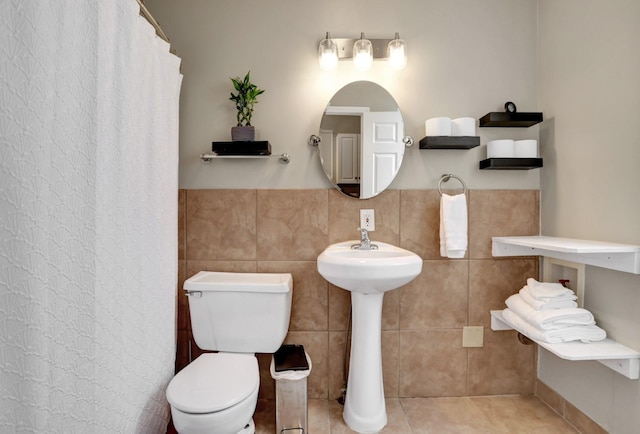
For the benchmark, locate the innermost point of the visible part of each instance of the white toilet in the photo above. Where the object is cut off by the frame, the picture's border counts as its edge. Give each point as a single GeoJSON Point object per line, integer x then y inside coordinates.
{"type": "Point", "coordinates": [237, 314]}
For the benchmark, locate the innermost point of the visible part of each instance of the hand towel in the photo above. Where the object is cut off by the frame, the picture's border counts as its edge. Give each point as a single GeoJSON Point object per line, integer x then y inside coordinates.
{"type": "Point", "coordinates": [590, 333]}
{"type": "Point", "coordinates": [453, 225]}
{"type": "Point", "coordinates": [548, 303]}
{"type": "Point", "coordinates": [546, 289]}
{"type": "Point", "coordinates": [549, 319]}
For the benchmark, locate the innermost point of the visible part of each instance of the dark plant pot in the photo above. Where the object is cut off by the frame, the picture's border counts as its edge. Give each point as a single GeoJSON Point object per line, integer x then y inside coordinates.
{"type": "Point", "coordinates": [243, 134]}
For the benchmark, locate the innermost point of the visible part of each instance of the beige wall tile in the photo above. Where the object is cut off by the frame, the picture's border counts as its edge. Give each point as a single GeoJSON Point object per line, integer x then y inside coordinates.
{"type": "Point", "coordinates": [182, 301]}
{"type": "Point", "coordinates": [501, 213]}
{"type": "Point", "coordinates": [234, 230]}
{"type": "Point", "coordinates": [438, 298]}
{"type": "Point", "coordinates": [316, 344]}
{"type": "Point", "coordinates": [420, 222]}
{"type": "Point", "coordinates": [432, 363]}
{"type": "Point", "coordinates": [390, 362]}
{"type": "Point", "coordinates": [391, 310]}
{"type": "Point", "coordinates": [502, 366]}
{"type": "Point", "coordinates": [310, 303]}
{"type": "Point", "coordinates": [491, 281]}
{"type": "Point", "coordinates": [292, 224]}
{"type": "Point", "coordinates": [182, 223]}
{"type": "Point", "coordinates": [267, 383]}
{"type": "Point", "coordinates": [339, 307]}
{"type": "Point", "coordinates": [221, 225]}
{"type": "Point", "coordinates": [193, 267]}
{"type": "Point", "coordinates": [344, 217]}
{"type": "Point", "coordinates": [336, 366]}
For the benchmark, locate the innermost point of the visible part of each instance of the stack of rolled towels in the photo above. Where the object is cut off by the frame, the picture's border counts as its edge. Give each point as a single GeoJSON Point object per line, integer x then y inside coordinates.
{"type": "Point", "coordinates": [443, 126]}
{"type": "Point", "coordinates": [548, 312]}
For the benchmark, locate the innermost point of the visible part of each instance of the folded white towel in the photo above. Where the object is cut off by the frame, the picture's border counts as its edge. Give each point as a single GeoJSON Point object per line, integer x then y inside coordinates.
{"type": "Point", "coordinates": [549, 319]}
{"type": "Point", "coordinates": [548, 303]}
{"type": "Point", "coordinates": [453, 226]}
{"type": "Point", "coordinates": [546, 290]}
{"type": "Point", "coordinates": [589, 333]}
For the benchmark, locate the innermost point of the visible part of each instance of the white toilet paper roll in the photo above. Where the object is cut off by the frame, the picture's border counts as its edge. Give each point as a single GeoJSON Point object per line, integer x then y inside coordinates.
{"type": "Point", "coordinates": [438, 127]}
{"type": "Point", "coordinates": [525, 148]}
{"type": "Point", "coordinates": [500, 148]}
{"type": "Point", "coordinates": [463, 127]}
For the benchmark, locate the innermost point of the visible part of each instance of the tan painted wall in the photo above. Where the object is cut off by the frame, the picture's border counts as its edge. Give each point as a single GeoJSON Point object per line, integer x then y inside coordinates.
{"type": "Point", "coordinates": [590, 93]}
{"type": "Point", "coordinates": [466, 58]}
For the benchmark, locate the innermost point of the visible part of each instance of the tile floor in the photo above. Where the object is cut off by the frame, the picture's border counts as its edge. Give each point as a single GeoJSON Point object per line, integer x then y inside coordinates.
{"type": "Point", "coordinates": [509, 414]}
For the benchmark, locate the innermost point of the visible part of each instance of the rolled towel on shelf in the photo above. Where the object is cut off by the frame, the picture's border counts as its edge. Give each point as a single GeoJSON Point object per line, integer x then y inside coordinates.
{"type": "Point", "coordinates": [453, 226]}
{"type": "Point", "coordinates": [438, 126]}
{"type": "Point", "coordinates": [549, 319]}
{"type": "Point", "coordinates": [540, 290]}
{"type": "Point", "coordinates": [548, 303]}
{"type": "Point", "coordinates": [588, 333]}
{"type": "Point", "coordinates": [463, 127]}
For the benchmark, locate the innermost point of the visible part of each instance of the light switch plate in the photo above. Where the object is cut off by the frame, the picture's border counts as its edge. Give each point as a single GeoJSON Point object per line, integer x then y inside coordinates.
{"type": "Point", "coordinates": [472, 336]}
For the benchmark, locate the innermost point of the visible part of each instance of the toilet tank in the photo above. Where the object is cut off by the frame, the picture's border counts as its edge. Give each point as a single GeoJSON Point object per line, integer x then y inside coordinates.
{"type": "Point", "coordinates": [239, 312]}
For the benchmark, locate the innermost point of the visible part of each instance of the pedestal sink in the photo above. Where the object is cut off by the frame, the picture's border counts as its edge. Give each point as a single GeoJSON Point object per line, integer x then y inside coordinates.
{"type": "Point", "coordinates": [367, 274]}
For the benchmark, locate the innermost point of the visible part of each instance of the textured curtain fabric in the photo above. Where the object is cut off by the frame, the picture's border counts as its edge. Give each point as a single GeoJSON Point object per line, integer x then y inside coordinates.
{"type": "Point", "coordinates": [88, 218]}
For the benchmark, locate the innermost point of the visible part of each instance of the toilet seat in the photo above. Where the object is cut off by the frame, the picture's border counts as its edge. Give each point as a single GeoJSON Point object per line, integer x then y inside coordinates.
{"type": "Point", "coordinates": [214, 382]}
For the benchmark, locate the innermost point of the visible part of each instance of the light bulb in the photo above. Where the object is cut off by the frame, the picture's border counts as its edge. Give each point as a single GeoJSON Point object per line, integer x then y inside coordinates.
{"type": "Point", "coordinates": [362, 54]}
{"type": "Point", "coordinates": [397, 53]}
{"type": "Point", "coordinates": [328, 54]}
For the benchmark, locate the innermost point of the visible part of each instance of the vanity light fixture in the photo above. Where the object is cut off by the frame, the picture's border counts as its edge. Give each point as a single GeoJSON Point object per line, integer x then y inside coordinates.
{"type": "Point", "coordinates": [362, 52]}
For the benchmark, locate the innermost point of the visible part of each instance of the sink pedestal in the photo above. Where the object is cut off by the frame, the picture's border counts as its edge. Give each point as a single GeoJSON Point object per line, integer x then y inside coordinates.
{"type": "Point", "coordinates": [367, 274]}
{"type": "Point", "coordinates": [364, 407]}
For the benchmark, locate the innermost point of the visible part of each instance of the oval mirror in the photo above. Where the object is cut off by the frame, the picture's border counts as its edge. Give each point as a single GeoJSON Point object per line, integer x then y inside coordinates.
{"type": "Point", "coordinates": [361, 148]}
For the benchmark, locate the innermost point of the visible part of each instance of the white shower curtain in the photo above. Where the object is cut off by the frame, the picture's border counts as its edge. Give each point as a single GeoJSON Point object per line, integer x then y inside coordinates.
{"type": "Point", "coordinates": [88, 217]}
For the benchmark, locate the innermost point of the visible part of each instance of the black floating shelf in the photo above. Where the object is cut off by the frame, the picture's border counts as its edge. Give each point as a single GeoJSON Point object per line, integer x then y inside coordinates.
{"type": "Point", "coordinates": [241, 148]}
{"type": "Point", "coordinates": [449, 142]}
{"type": "Point", "coordinates": [511, 163]}
{"type": "Point", "coordinates": [510, 120]}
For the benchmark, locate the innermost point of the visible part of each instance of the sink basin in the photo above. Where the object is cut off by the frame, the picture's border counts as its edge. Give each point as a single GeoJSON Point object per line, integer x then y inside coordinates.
{"type": "Point", "coordinates": [368, 271]}
{"type": "Point", "coordinates": [368, 274]}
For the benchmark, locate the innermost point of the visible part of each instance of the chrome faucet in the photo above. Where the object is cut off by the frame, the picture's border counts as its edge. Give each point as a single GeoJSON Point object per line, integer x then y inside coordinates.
{"type": "Point", "coordinates": [365, 242]}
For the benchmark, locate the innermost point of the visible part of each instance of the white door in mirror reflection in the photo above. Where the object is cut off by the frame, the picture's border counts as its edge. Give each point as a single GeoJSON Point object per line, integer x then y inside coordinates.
{"type": "Point", "coordinates": [382, 151]}
{"type": "Point", "coordinates": [348, 163]}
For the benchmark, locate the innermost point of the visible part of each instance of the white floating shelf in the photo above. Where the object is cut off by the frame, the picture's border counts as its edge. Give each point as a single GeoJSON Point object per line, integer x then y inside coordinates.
{"type": "Point", "coordinates": [620, 257]}
{"type": "Point", "coordinates": [616, 356]}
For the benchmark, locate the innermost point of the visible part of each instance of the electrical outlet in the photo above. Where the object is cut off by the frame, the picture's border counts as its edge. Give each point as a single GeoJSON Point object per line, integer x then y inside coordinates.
{"type": "Point", "coordinates": [367, 220]}
{"type": "Point", "coordinates": [472, 336]}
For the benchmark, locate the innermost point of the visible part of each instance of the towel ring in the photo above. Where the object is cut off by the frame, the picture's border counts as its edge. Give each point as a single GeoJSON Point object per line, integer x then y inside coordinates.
{"type": "Point", "coordinates": [446, 177]}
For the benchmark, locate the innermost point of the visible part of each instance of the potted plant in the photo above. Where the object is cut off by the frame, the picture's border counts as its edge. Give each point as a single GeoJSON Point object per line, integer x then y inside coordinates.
{"type": "Point", "coordinates": [246, 97]}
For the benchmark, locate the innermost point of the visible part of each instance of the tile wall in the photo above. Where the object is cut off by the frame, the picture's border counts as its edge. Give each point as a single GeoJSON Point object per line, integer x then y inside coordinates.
{"type": "Point", "coordinates": [285, 230]}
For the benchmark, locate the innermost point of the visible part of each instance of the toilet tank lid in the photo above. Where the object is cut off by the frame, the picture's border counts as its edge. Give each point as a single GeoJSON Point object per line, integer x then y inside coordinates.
{"type": "Point", "coordinates": [239, 282]}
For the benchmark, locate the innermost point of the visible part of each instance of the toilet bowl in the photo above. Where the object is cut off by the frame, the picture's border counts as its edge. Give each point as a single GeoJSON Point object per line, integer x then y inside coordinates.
{"type": "Point", "coordinates": [216, 393]}
{"type": "Point", "coordinates": [238, 315]}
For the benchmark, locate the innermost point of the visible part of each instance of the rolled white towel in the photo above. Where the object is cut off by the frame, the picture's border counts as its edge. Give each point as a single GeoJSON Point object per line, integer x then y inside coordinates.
{"type": "Point", "coordinates": [549, 319]}
{"type": "Point", "coordinates": [548, 303]}
{"type": "Point", "coordinates": [546, 290]}
{"type": "Point", "coordinates": [589, 333]}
